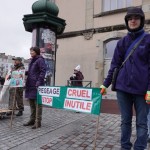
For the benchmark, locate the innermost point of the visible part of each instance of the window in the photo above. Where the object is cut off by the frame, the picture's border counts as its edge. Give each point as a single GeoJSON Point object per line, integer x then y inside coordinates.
{"type": "Point", "coordinates": [109, 49]}
{"type": "Point", "coordinates": [109, 5]}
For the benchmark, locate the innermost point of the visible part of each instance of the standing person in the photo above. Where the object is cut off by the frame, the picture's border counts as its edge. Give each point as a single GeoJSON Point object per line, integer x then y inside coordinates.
{"type": "Point", "coordinates": [18, 65]}
{"type": "Point", "coordinates": [131, 83]}
{"type": "Point", "coordinates": [35, 77]}
{"type": "Point", "coordinates": [77, 77]}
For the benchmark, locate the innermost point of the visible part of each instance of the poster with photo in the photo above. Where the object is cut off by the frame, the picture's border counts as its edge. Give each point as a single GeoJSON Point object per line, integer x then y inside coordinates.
{"type": "Point", "coordinates": [47, 44]}
{"type": "Point", "coordinates": [46, 39]}
{"type": "Point", "coordinates": [17, 78]}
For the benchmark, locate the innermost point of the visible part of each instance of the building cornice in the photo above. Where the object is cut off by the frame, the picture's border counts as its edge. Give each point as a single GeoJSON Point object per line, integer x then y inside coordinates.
{"type": "Point", "coordinates": [91, 31]}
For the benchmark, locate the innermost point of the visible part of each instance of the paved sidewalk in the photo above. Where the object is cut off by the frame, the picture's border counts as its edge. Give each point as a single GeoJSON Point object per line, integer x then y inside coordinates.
{"type": "Point", "coordinates": [62, 130]}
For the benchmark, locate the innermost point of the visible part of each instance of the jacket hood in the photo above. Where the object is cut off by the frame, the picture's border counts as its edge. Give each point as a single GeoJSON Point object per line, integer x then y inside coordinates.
{"type": "Point", "coordinates": [137, 12]}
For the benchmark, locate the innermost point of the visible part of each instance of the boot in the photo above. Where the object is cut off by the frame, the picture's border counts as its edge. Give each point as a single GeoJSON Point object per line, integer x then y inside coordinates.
{"type": "Point", "coordinates": [38, 125]}
{"type": "Point", "coordinates": [29, 123]}
{"type": "Point", "coordinates": [20, 113]}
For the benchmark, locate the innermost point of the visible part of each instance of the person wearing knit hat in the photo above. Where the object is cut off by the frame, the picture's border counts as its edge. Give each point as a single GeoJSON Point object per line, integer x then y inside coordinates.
{"type": "Point", "coordinates": [35, 78]}
{"type": "Point", "coordinates": [133, 80]}
{"type": "Point", "coordinates": [77, 77]}
{"type": "Point", "coordinates": [77, 68]}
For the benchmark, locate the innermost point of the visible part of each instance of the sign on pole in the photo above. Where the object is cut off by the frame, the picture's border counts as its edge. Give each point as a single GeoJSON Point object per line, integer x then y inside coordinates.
{"type": "Point", "coordinates": [86, 100]}
{"type": "Point", "coordinates": [17, 78]}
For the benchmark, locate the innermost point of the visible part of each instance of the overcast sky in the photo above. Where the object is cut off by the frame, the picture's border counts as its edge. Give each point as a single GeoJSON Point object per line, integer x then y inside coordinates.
{"type": "Point", "coordinates": [14, 40]}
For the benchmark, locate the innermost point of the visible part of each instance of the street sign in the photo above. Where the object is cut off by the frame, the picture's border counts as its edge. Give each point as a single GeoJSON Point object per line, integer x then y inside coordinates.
{"type": "Point", "coordinates": [86, 100]}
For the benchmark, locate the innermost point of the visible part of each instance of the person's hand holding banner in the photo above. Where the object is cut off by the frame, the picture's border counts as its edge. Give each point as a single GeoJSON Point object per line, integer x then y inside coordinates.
{"type": "Point", "coordinates": [147, 97]}
{"type": "Point", "coordinates": [102, 89]}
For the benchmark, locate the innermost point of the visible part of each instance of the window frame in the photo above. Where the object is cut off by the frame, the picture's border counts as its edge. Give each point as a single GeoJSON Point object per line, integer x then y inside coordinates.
{"type": "Point", "coordinates": [126, 4]}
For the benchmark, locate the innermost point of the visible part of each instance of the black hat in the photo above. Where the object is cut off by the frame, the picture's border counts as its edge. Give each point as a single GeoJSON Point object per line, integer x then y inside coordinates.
{"type": "Point", "coordinates": [17, 58]}
{"type": "Point", "coordinates": [36, 49]}
{"type": "Point", "coordinates": [136, 12]}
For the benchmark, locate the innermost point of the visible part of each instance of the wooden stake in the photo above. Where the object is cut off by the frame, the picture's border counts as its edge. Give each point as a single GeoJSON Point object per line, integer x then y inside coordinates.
{"type": "Point", "coordinates": [36, 118]}
{"type": "Point", "coordinates": [97, 125]}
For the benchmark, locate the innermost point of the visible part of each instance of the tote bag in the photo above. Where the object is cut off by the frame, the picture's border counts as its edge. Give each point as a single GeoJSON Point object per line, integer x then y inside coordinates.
{"type": "Point", "coordinates": [4, 94]}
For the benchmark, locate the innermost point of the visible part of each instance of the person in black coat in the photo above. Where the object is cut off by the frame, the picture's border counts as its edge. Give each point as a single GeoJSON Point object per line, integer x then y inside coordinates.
{"type": "Point", "coordinates": [77, 77]}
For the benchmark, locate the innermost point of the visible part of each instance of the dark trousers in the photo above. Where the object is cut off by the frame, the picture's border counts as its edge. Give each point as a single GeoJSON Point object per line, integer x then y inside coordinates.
{"type": "Point", "coordinates": [16, 97]}
{"type": "Point", "coordinates": [126, 102]}
{"type": "Point", "coordinates": [148, 117]}
{"type": "Point", "coordinates": [35, 109]}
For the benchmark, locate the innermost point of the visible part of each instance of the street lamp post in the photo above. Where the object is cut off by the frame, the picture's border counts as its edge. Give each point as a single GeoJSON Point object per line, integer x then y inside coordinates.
{"type": "Point", "coordinates": [45, 26]}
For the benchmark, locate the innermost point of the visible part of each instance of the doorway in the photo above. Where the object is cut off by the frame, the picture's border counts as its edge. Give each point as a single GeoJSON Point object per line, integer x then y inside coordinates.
{"type": "Point", "coordinates": [109, 103]}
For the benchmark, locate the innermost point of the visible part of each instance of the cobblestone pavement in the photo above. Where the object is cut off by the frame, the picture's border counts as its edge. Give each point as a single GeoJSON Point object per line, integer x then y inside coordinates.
{"type": "Point", "coordinates": [62, 130]}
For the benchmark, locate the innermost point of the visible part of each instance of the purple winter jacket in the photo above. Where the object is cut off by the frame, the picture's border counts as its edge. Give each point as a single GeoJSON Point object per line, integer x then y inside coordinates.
{"type": "Point", "coordinates": [134, 76]}
{"type": "Point", "coordinates": [35, 76]}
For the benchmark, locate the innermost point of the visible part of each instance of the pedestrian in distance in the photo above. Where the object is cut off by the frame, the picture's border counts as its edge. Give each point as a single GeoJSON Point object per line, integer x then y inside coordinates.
{"type": "Point", "coordinates": [18, 95]}
{"type": "Point", "coordinates": [35, 77]}
{"type": "Point", "coordinates": [131, 84]}
{"type": "Point", "coordinates": [77, 77]}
